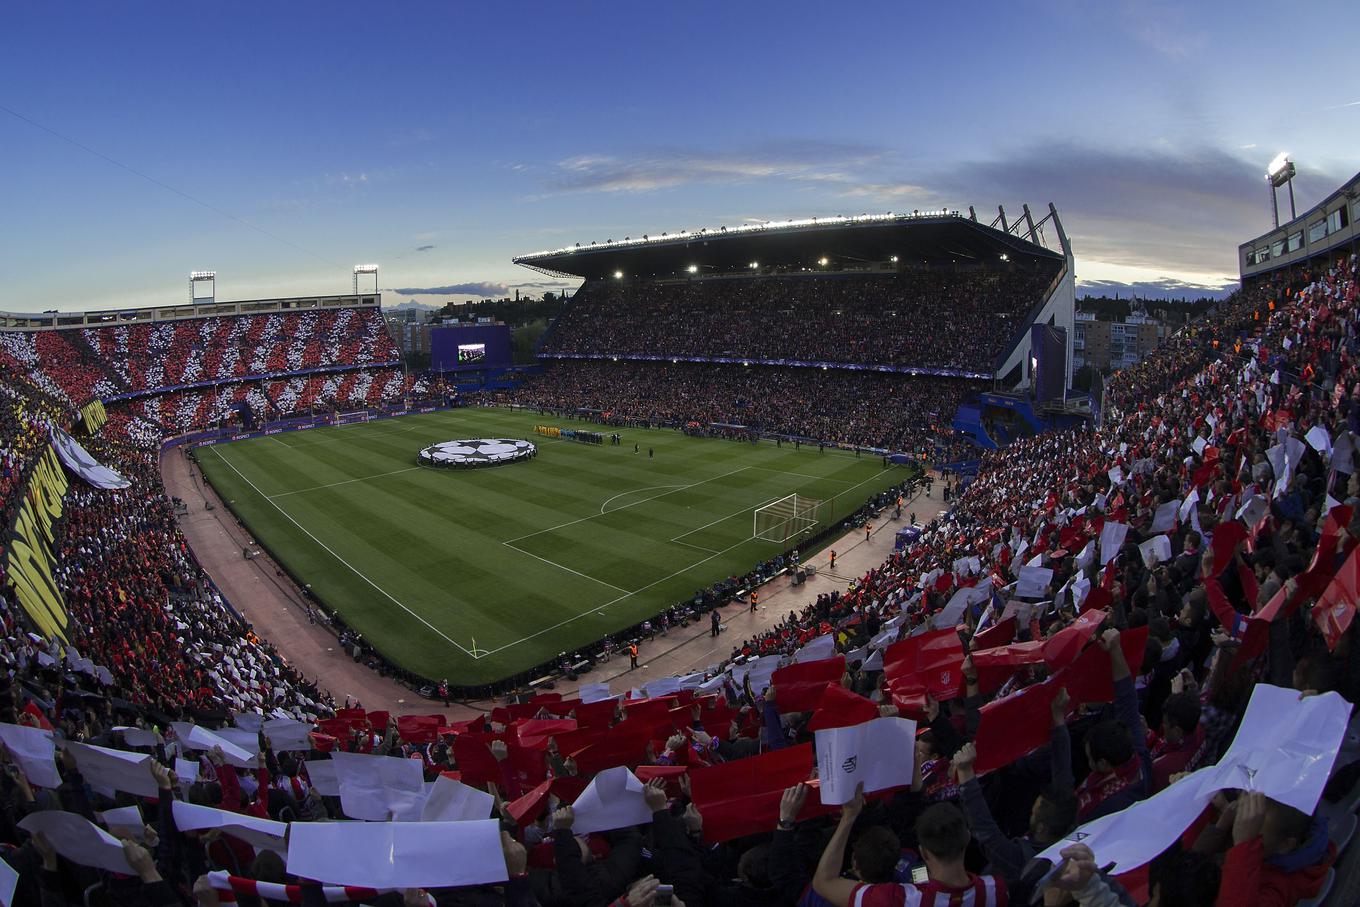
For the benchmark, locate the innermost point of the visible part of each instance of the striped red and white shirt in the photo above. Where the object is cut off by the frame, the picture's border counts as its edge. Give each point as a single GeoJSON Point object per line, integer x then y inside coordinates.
{"type": "Point", "coordinates": [982, 891]}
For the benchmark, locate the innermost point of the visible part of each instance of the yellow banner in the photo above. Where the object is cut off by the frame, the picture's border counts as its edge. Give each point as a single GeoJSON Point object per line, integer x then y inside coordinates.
{"type": "Point", "coordinates": [94, 415]}
{"type": "Point", "coordinates": [31, 559]}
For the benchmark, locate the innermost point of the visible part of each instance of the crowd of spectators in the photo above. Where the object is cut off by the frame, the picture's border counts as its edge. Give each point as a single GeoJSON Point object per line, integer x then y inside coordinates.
{"type": "Point", "coordinates": [945, 319]}
{"type": "Point", "coordinates": [1089, 623]}
{"type": "Point", "coordinates": [837, 406]}
{"type": "Point", "coordinates": [178, 412]}
{"type": "Point", "coordinates": [81, 364]}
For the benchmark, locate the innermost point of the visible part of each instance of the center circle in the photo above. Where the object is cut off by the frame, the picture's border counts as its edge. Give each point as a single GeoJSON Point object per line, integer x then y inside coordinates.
{"type": "Point", "coordinates": [469, 453]}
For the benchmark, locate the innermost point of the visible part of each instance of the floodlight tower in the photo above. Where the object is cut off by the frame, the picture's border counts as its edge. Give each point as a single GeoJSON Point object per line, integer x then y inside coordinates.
{"type": "Point", "coordinates": [1281, 173]}
{"type": "Point", "coordinates": [365, 269]}
{"type": "Point", "coordinates": [197, 277]}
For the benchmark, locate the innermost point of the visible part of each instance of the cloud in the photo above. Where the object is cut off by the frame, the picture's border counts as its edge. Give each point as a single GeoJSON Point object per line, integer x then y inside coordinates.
{"type": "Point", "coordinates": [543, 284]}
{"type": "Point", "coordinates": [800, 161]}
{"type": "Point", "coordinates": [481, 288]}
{"type": "Point", "coordinates": [424, 248]}
{"type": "Point", "coordinates": [1165, 288]}
{"type": "Point", "coordinates": [1173, 210]}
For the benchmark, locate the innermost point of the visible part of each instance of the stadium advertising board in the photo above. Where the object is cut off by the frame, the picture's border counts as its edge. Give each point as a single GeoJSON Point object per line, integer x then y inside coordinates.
{"type": "Point", "coordinates": [31, 559]}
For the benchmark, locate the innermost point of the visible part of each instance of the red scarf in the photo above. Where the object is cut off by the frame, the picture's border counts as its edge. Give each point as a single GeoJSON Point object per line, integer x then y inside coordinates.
{"type": "Point", "coordinates": [1097, 787]}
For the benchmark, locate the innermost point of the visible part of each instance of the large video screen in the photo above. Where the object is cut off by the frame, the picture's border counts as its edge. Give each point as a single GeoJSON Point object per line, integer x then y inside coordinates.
{"type": "Point", "coordinates": [469, 347]}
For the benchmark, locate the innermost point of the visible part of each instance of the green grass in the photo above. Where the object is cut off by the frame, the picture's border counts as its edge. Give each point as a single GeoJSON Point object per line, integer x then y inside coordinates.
{"type": "Point", "coordinates": [476, 575]}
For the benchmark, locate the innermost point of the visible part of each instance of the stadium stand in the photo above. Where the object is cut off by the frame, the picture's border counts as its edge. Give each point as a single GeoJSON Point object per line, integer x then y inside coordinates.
{"type": "Point", "coordinates": [1100, 612]}
{"type": "Point", "coordinates": [927, 319]}
{"type": "Point", "coordinates": [858, 409]}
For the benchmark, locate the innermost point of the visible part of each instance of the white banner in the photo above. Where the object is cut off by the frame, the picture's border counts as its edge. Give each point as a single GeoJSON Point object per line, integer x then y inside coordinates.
{"type": "Point", "coordinates": [79, 461]}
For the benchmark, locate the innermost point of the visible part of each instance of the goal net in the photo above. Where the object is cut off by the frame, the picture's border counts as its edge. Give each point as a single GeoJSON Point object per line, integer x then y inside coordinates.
{"type": "Point", "coordinates": [786, 518]}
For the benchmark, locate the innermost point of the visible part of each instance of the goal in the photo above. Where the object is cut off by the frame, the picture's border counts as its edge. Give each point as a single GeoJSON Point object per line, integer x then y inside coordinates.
{"type": "Point", "coordinates": [786, 518]}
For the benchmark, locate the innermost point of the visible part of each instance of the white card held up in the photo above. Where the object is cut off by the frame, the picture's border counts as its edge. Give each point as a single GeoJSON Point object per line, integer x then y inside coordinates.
{"type": "Point", "coordinates": [594, 692]}
{"type": "Point", "coordinates": [1034, 582]}
{"type": "Point", "coordinates": [1155, 550]}
{"type": "Point", "coordinates": [9, 880]}
{"type": "Point", "coordinates": [34, 751]}
{"type": "Point", "coordinates": [193, 737]}
{"type": "Point", "coordinates": [135, 736]}
{"type": "Point", "coordinates": [287, 735]}
{"type": "Point", "coordinates": [79, 840]}
{"type": "Point", "coordinates": [258, 833]}
{"type": "Point", "coordinates": [1111, 540]}
{"type": "Point", "coordinates": [321, 774]}
{"type": "Point", "coordinates": [613, 799]}
{"type": "Point", "coordinates": [454, 801]}
{"type": "Point", "coordinates": [818, 649]}
{"type": "Point", "coordinates": [377, 788]}
{"type": "Point", "coordinates": [398, 854]}
{"type": "Point", "coordinates": [1164, 520]}
{"type": "Point", "coordinates": [125, 818]}
{"type": "Point", "coordinates": [878, 754]}
{"type": "Point", "coordinates": [186, 770]}
{"type": "Point", "coordinates": [113, 769]}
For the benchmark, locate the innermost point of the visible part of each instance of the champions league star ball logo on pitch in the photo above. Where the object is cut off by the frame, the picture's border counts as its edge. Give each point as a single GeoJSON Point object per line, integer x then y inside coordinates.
{"type": "Point", "coordinates": [475, 452]}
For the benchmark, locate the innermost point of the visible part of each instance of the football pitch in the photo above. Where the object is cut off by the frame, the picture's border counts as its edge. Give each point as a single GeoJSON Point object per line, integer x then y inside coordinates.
{"type": "Point", "coordinates": [478, 574]}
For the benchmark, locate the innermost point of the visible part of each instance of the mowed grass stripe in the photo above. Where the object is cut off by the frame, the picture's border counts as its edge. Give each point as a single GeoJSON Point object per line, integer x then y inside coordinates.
{"type": "Point", "coordinates": [433, 539]}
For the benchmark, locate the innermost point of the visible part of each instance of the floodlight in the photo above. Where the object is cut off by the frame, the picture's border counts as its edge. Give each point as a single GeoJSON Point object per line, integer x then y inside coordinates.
{"type": "Point", "coordinates": [365, 269]}
{"type": "Point", "coordinates": [893, 259]}
{"type": "Point", "coordinates": [693, 269]}
{"type": "Point", "coordinates": [1274, 168]}
{"type": "Point", "coordinates": [202, 275]}
{"type": "Point", "coordinates": [822, 261]}
{"type": "Point", "coordinates": [618, 275]}
{"type": "Point", "coordinates": [754, 265]}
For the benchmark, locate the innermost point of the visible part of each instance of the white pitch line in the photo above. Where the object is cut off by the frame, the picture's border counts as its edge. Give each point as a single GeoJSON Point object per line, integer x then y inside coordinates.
{"type": "Point", "coordinates": [381, 590]}
{"type": "Point", "coordinates": [284, 494]}
{"type": "Point", "coordinates": [595, 608]}
{"type": "Point", "coordinates": [625, 506]}
{"type": "Point", "coordinates": [633, 491]}
{"type": "Point", "coordinates": [566, 568]}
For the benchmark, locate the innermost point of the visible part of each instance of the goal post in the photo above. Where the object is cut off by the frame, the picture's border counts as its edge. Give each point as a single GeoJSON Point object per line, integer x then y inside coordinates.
{"type": "Point", "coordinates": [786, 518]}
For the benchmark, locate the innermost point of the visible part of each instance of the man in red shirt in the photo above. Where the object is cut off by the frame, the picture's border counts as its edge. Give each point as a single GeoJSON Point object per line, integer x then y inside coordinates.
{"type": "Point", "coordinates": [943, 835]}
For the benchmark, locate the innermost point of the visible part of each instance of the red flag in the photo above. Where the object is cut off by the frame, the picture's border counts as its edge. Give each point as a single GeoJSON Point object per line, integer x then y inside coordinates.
{"type": "Point", "coordinates": [1000, 634]}
{"type": "Point", "coordinates": [1088, 678]}
{"type": "Point", "coordinates": [930, 663]}
{"type": "Point", "coordinates": [741, 797]}
{"type": "Point", "coordinates": [378, 721]}
{"type": "Point", "coordinates": [419, 728]}
{"type": "Point", "coordinates": [1099, 598]}
{"type": "Point", "coordinates": [839, 707]}
{"type": "Point", "coordinates": [1011, 727]}
{"type": "Point", "coordinates": [596, 714]}
{"type": "Point", "coordinates": [1064, 646]}
{"type": "Point", "coordinates": [1226, 537]}
{"type": "Point", "coordinates": [527, 809]}
{"type": "Point", "coordinates": [1335, 609]}
{"type": "Point", "coordinates": [35, 718]}
{"type": "Point", "coordinates": [475, 761]}
{"type": "Point", "coordinates": [534, 732]}
{"type": "Point", "coordinates": [799, 686]}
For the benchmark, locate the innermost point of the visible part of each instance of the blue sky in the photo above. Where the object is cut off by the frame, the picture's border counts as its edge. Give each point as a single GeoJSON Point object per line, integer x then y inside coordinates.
{"type": "Point", "coordinates": [439, 140]}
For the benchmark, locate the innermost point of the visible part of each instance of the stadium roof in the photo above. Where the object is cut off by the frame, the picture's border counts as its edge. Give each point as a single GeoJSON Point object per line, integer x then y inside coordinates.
{"type": "Point", "coordinates": [843, 242]}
